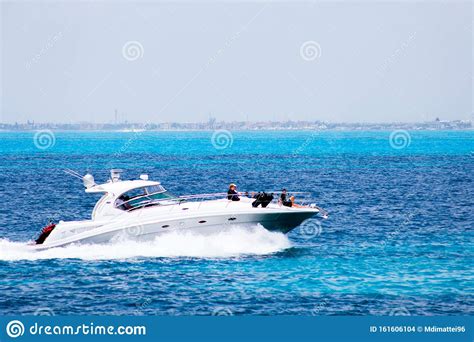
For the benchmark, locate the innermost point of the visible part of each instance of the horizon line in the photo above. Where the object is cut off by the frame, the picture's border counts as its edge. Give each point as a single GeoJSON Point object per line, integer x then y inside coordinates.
{"type": "Point", "coordinates": [33, 122]}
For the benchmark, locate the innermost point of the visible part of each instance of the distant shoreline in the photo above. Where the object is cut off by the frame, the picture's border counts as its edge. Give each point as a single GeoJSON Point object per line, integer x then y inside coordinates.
{"type": "Point", "coordinates": [213, 125]}
{"type": "Point", "coordinates": [236, 130]}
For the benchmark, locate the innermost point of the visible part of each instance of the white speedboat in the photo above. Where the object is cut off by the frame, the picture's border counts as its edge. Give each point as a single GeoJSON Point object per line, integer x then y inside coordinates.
{"type": "Point", "coordinates": [142, 209]}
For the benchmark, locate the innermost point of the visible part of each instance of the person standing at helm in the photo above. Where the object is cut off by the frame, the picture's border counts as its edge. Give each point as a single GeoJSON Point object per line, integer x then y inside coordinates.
{"type": "Point", "coordinates": [232, 194]}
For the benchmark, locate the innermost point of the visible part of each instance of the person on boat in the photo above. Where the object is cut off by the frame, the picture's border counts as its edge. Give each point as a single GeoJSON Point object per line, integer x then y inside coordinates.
{"type": "Point", "coordinates": [121, 202]}
{"type": "Point", "coordinates": [293, 204]}
{"type": "Point", "coordinates": [284, 200]}
{"type": "Point", "coordinates": [232, 194]}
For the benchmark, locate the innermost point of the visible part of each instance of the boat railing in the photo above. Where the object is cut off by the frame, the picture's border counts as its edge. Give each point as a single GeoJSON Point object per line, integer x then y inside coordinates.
{"type": "Point", "coordinates": [248, 194]}
{"type": "Point", "coordinates": [304, 200]}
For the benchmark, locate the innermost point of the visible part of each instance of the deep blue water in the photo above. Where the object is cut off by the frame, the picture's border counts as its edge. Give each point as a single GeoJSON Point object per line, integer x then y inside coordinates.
{"type": "Point", "coordinates": [399, 239]}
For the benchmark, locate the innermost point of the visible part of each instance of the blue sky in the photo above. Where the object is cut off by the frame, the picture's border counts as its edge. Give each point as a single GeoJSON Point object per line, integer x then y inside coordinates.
{"type": "Point", "coordinates": [345, 61]}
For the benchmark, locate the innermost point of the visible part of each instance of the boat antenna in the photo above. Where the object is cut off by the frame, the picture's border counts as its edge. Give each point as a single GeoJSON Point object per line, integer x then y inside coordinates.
{"type": "Point", "coordinates": [87, 179]}
{"type": "Point", "coordinates": [73, 173]}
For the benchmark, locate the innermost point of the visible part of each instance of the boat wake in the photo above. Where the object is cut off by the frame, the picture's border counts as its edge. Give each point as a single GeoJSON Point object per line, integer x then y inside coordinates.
{"type": "Point", "coordinates": [235, 241]}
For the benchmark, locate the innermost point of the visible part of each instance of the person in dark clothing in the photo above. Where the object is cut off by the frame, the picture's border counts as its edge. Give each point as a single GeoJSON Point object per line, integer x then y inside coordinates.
{"type": "Point", "coordinates": [283, 200]}
{"type": "Point", "coordinates": [232, 194]}
{"type": "Point", "coordinates": [122, 202]}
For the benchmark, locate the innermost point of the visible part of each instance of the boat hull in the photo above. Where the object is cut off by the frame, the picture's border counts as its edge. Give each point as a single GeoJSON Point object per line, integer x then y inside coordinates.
{"type": "Point", "coordinates": [144, 228]}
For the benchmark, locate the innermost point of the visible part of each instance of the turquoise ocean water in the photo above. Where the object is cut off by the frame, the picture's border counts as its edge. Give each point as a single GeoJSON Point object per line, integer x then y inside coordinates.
{"type": "Point", "coordinates": [399, 239]}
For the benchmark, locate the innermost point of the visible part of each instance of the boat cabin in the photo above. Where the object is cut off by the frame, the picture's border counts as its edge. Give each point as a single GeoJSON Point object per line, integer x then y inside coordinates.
{"type": "Point", "coordinates": [123, 196]}
{"type": "Point", "coordinates": [143, 196]}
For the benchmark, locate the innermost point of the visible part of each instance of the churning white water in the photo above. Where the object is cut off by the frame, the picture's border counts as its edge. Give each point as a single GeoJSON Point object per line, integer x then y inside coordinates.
{"type": "Point", "coordinates": [235, 241]}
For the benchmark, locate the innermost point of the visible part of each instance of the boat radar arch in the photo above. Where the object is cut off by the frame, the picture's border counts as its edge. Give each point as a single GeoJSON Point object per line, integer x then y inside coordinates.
{"type": "Point", "coordinates": [88, 181]}
{"type": "Point", "coordinates": [115, 175]}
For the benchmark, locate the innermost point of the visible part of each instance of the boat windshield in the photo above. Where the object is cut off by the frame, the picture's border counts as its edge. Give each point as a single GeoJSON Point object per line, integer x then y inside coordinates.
{"type": "Point", "coordinates": [145, 196]}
